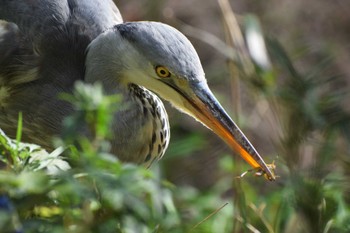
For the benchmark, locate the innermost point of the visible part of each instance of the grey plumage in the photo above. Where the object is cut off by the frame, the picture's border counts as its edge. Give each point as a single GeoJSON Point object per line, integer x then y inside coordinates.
{"type": "Point", "coordinates": [47, 45]}
{"type": "Point", "coordinates": [47, 55]}
{"type": "Point", "coordinates": [163, 44]}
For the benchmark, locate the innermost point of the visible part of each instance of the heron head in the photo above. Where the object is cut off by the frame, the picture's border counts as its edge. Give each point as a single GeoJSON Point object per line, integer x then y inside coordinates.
{"type": "Point", "coordinates": [161, 59]}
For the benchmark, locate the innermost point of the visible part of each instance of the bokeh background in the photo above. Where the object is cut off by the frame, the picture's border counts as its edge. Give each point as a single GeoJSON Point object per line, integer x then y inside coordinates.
{"type": "Point", "coordinates": [291, 102]}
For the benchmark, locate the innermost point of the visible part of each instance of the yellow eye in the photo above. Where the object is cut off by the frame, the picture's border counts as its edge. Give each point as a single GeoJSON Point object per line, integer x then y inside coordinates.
{"type": "Point", "coordinates": [162, 72]}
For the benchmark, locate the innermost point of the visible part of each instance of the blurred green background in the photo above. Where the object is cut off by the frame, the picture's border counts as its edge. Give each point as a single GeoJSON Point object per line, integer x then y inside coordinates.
{"type": "Point", "coordinates": [293, 107]}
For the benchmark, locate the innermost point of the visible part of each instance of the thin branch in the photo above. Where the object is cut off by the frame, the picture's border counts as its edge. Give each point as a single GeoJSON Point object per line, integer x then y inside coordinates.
{"type": "Point", "coordinates": [209, 216]}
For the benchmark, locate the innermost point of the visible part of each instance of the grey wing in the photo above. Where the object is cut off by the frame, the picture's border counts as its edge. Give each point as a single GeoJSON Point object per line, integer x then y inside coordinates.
{"type": "Point", "coordinates": [45, 28]}
{"type": "Point", "coordinates": [8, 39]}
{"type": "Point", "coordinates": [50, 36]}
{"type": "Point", "coordinates": [16, 56]}
{"type": "Point", "coordinates": [18, 64]}
{"type": "Point", "coordinates": [42, 53]}
{"type": "Point", "coordinates": [37, 18]}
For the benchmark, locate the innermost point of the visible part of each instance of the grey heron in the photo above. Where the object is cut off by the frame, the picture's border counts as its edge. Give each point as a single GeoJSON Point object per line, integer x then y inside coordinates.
{"type": "Point", "coordinates": [47, 45]}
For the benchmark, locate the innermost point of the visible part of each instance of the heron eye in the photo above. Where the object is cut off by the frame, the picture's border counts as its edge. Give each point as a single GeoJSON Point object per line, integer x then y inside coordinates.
{"type": "Point", "coordinates": [162, 72]}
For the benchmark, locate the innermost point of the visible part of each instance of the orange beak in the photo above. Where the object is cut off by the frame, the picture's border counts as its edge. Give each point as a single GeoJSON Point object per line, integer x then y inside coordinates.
{"type": "Point", "coordinates": [204, 106]}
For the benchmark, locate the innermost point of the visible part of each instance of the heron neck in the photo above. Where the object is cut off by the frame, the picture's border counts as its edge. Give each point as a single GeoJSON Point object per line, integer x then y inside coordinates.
{"type": "Point", "coordinates": [104, 61]}
{"type": "Point", "coordinates": [141, 124]}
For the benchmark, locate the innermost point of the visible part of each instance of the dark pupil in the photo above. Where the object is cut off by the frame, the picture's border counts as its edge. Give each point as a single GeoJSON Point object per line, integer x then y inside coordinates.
{"type": "Point", "coordinates": [163, 72]}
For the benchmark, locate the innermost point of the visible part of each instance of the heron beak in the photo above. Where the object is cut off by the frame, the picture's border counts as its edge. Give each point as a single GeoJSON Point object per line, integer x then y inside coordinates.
{"type": "Point", "coordinates": [204, 106]}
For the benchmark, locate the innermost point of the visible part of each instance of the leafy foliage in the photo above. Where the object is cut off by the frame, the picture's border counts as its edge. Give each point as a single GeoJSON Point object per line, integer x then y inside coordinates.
{"type": "Point", "coordinates": [80, 187]}
{"type": "Point", "coordinates": [40, 192]}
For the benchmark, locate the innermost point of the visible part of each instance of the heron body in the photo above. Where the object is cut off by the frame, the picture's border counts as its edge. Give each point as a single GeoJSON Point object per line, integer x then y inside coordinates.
{"type": "Point", "coordinates": [47, 45]}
